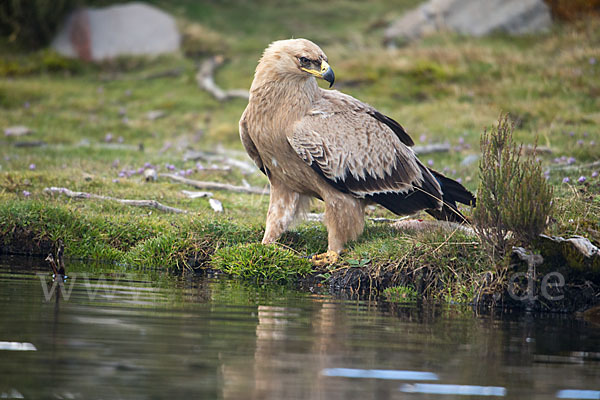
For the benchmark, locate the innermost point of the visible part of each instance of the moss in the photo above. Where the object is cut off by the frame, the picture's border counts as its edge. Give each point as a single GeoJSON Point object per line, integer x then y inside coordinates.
{"type": "Point", "coordinates": [261, 263]}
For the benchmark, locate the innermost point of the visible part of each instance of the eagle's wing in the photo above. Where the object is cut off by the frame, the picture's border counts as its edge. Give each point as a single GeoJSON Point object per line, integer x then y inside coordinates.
{"type": "Point", "coordinates": [362, 152]}
{"type": "Point", "coordinates": [249, 144]}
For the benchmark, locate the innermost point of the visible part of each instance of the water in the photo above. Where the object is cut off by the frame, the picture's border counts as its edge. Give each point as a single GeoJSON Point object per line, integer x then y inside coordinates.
{"type": "Point", "coordinates": [143, 335]}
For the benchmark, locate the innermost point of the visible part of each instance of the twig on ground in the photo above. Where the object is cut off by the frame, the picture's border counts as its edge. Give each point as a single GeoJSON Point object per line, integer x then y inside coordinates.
{"type": "Point", "coordinates": [135, 203]}
{"type": "Point", "coordinates": [564, 167]}
{"type": "Point", "coordinates": [245, 167]}
{"type": "Point", "coordinates": [215, 185]}
{"type": "Point", "coordinates": [205, 80]}
{"type": "Point", "coordinates": [415, 224]}
{"type": "Point", "coordinates": [169, 73]}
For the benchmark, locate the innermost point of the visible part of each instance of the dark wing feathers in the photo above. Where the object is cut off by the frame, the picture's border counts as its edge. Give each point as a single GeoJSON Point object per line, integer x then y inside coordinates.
{"type": "Point", "coordinates": [396, 127]}
{"type": "Point", "coordinates": [360, 151]}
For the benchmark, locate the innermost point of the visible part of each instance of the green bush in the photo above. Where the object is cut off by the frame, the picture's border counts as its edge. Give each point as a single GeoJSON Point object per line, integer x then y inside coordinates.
{"type": "Point", "coordinates": [33, 23]}
{"type": "Point", "coordinates": [569, 10]}
{"type": "Point", "coordinates": [514, 200]}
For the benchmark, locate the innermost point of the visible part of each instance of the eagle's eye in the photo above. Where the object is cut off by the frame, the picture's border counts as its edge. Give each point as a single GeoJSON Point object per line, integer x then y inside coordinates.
{"type": "Point", "coordinates": [304, 60]}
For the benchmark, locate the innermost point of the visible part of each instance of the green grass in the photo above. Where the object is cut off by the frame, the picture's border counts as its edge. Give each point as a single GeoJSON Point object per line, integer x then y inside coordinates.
{"type": "Point", "coordinates": [261, 263]}
{"type": "Point", "coordinates": [444, 88]}
{"type": "Point", "coordinates": [400, 294]}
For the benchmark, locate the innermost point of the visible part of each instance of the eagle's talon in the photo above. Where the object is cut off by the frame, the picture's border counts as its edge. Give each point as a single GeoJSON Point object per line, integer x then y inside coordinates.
{"type": "Point", "coordinates": [320, 260]}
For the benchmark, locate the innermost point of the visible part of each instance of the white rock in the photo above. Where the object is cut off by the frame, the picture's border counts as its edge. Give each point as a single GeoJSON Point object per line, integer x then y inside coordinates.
{"type": "Point", "coordinates": [216, 205]}
{"type": "Point", "coordinates": [471, 17]}
{"type": "Point", "coordinates": [150, 174]}
{"type": "Point", "coordinates": [17, 130]}
{"type": "Point", "coordinates": [155, 114]}
{"type": "Point", "coordinates": [96, 34]}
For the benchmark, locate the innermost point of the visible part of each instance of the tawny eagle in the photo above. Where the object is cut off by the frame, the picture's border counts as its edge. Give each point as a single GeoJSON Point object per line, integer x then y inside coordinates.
{"type": "Point", "coordinates": [312, 142]}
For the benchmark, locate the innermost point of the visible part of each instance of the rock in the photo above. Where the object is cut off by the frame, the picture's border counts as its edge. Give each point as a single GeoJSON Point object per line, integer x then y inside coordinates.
{"type": "Point", "coordinates": [470, 17]}
{"type": "Point", "coordinates": [150, 175]}
{"type": "Point", "coordinates": [470, 159]}
{"type": "Point", "coordinates": [17, 130]}
{"type": "Point", "coordinates": [216, 205]}
{"type": "Point", "coordinates": [577, 253]}
{"type": "Point", "coordinates": [96, 34]}
{"type": "Point", "coordinates": [155, 114]}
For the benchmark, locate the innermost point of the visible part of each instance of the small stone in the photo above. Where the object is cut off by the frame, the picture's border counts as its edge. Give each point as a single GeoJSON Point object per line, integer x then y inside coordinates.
{"type": "Point", "coordinates": [88, 177]}
{"type": "Point", "coordinates": [17, 131]}
{"type": "Point", "coordinates": [155, 114]}
{"type": "Point", "coordinates": [216, 205]}
{"type": "Point", "coordinates": [150, 174]}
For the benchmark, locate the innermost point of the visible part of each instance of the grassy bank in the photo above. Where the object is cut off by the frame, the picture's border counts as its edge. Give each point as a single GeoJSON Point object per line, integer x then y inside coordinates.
{"type": "Point", "coordinates": [94, 130]}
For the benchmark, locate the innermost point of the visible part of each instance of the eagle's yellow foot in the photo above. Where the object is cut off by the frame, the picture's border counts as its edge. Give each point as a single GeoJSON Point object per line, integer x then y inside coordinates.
{"type": "Point", "coordinates": [320, 260]}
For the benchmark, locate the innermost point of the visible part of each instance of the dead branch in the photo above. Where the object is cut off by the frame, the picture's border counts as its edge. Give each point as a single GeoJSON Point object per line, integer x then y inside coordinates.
{"type": "Point", "coordinates": [432, 225]}
{"type": "Point", "coordinates": [135, 203]}
{"type": "Point", "coordinates": [215, 185]}
{"type": "Point", "coordinates": [244, 166]}
{"type": "Point", "coordinates": [206, 81]}
{"type": "Point", "coordinates": [567, 167]}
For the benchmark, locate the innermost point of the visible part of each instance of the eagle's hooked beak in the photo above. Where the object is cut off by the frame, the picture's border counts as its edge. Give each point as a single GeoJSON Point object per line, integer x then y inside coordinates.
{"type": "Point", "coordinates": [325, 73]}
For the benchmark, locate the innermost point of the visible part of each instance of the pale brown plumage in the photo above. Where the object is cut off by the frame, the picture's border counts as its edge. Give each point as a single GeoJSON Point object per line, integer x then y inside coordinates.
{"type": "Point", "coordinates": [312, 142]}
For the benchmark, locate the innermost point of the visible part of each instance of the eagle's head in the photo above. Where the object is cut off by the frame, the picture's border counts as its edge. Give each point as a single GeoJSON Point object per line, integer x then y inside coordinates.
{"type": "Point", "coordinates": [296, 58]}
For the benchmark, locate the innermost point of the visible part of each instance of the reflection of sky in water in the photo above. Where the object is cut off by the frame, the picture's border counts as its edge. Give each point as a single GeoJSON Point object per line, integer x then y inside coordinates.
{"type": "Point", "coordinates": [463, 390]}
{"type": "Point", "coordinates": [380, 374]}
{"type": "Point", "coordinates": [152, 334]}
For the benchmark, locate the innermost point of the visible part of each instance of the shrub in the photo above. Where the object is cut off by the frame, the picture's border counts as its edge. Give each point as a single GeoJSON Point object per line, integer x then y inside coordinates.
{"type": "Point", "coordinates": [198, 40]}
{"type": "Point", "coordinates": [514, 200]}
{"type": "Point", "coordinates": [570, 10]}
{"type": "Point", "coordinates": [33, 23]}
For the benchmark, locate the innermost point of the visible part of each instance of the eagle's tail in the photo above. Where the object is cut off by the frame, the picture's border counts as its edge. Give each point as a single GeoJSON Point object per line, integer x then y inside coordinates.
{"type": "Point", "coordinates": [452, 192]}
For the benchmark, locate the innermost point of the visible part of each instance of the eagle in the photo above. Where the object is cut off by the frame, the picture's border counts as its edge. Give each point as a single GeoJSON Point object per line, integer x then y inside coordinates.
{"type": "Point", "coordinates": [320, 143]}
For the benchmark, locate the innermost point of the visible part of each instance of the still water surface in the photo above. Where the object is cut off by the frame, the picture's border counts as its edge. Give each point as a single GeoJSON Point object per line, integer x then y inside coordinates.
{"type": "Point", "coordinates": [140, 335]}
